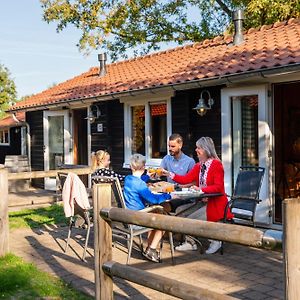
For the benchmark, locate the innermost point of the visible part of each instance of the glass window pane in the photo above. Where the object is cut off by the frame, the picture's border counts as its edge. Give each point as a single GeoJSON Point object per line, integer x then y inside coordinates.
{"type": "Point", "coordinates": [138, 129]}
{"type": "Point", "coordinates": [158, 130]}
{"type": "Point", "coordinates": [244, 131]}
{"type": "Point", "coordinates": [56, 141]}
{"type": "Point", "coordinates": [1, 136]}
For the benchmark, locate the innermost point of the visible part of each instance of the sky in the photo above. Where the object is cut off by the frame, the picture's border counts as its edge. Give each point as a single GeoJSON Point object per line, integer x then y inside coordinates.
{"type": "Point", "coordinates": [35, 54]}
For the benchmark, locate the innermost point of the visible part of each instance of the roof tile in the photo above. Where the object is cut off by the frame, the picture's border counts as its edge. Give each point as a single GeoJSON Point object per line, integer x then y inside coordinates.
{"type": "Point", "coordinates": [9, 121]}
{"type": "Point", "coordinates": [265, 47]}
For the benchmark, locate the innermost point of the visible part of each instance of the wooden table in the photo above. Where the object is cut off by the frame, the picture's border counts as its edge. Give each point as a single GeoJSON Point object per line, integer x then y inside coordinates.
{"type": "Point", "coordinates": [186, 197]}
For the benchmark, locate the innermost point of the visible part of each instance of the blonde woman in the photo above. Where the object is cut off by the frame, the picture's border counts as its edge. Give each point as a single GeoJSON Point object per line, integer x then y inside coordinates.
{"type": "Point", "coordinates": [100, 166]}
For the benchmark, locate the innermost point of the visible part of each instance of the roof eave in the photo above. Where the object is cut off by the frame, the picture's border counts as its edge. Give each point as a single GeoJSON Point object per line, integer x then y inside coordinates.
{"type": "Point", "coordinates": [264, 73]}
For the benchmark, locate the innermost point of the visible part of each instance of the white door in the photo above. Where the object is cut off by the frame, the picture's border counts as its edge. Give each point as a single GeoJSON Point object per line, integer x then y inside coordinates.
{"type": "Point", "coordinates": [56, 143]}
{"type": "Point", "coordinates": [246, 139]}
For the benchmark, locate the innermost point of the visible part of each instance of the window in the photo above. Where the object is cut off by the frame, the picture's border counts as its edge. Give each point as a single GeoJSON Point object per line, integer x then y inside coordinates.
{"type": "Point", "coordinates": [247, 138]}
{"type": "Point", "coordinates": [244, 131]}
{"type": "Point", "coordinates": [147, 127]}
{"type": "Point", "coordinates": [138, 129]}
{"type": "Point", "coordinates": [4, 137]}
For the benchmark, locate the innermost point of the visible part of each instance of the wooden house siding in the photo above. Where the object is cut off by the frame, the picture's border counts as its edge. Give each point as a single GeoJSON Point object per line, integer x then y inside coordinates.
{"type": "Point", "coordinates": [35, 121]}
{"type": "Point", "coordinates": [14, 148]}
{"type": "Point", "coordinates": [190, 125]}
{"type": "Point", "coordinates": [112, 136]}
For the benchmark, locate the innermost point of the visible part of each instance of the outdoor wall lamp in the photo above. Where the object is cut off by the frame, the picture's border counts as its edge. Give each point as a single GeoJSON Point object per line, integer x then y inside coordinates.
{"type": "Point", "coordinates": [201, 107]}
{"type": "Point", "coordinates": [94, 113]}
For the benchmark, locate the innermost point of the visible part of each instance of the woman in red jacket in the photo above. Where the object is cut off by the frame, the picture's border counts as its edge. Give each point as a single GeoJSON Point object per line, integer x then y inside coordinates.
{"type": "Point", "coordinates": [209, 177]}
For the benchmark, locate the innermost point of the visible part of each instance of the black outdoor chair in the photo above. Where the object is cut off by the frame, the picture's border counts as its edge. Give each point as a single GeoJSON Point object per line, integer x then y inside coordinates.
{"type": "Point", "coordinates": [243, 202]}
{"type": "Point", "coordinates": [127, 231]}
{"type": "Point", "coordinates": [81, 218]}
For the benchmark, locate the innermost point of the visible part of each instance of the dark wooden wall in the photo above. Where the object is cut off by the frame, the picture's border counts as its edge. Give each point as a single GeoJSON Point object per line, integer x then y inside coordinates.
{"type": "Point", "coordinates": [35, 121]}
{"type": "Point", "coordinates": [15, 144]}
{"type": "Point", "coordinates": [190, 125]}
{"type": "Point", "coordinates": [112, 137]}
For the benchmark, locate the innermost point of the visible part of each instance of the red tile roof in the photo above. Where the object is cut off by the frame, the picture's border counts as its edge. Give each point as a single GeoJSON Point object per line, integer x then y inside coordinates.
{"type": "Point", "coordinates": [267, 47]}
{"type": "Point", "coordinates": [8, 121]}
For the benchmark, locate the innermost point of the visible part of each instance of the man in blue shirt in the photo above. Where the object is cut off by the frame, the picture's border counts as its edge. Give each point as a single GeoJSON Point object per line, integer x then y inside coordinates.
{"type": "Point", "coordinates": [176, 162]}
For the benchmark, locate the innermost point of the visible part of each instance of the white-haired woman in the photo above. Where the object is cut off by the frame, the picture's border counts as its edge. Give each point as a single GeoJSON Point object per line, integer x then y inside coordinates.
{"type": "Point", "coordinates": [137, 195]}
{"type": "Point", "coordinates": [209, 177]}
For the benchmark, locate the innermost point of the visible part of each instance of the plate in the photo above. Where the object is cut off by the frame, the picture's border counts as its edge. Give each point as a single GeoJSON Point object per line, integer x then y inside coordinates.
{"type": "Point", "coordinates": [186, 193]}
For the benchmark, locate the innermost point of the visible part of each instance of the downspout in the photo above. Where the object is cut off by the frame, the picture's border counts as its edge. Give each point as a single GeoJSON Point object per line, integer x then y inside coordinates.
{"type": "Point", "coordinates": [28, 138]}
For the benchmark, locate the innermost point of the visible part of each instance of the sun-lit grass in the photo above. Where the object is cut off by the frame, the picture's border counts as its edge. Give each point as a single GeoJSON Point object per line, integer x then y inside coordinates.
{"type": "Point", "coordinates": [34, 218]}
{"type": "Point", "coordinates": [20, 280]}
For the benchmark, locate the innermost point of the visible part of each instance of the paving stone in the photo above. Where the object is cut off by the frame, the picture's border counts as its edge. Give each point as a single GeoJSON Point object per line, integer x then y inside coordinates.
{"type": "Point", "coordinates": [227, 274]}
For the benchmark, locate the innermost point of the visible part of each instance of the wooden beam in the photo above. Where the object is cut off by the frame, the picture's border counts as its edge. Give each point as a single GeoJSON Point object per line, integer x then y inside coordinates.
{"type": "Point", "coordinates": [51, 173]}
{"type": "Point", "coordinates": [160, 283]}
{"type": "Point", "coordinates": [102, 241]}
{"type": "Point", "coordinates": [4, 225]}
{"type": "Point", "coordinates": [237, 234]}
{"type": "Point", "coordinates": [291, 253]}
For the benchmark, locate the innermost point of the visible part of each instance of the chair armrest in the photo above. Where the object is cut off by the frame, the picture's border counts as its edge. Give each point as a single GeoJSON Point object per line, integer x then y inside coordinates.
{"type": "Point", "coordinates": [244, 198]}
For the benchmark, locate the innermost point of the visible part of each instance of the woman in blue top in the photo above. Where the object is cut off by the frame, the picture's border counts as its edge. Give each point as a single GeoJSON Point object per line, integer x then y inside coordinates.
{"type": "Point", "coordinates": [137, 196]}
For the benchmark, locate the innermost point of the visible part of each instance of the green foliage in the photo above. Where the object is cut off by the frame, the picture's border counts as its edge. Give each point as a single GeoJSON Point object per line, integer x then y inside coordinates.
{"type": "Point", "coordinates": [34, 218]}
{"type": "Point", "coordinates": [143, 25]}
{"type": "Point", "coordinates": [260, 12]}
{"type": "Point", "coordinates": [20, 280]}
{"type": "Point", "coordinates": [8, 94]}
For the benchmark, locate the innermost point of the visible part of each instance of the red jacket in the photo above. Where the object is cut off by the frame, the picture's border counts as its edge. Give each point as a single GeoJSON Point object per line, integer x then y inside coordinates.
{"type": "Point", "coordinates": [214, 184]}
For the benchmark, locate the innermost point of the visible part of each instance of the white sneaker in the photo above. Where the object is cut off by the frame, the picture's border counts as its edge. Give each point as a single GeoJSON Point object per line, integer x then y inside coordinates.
{"type": "Point", "coordinates": [213, 247]}
{"type": "Point", "coordinates": [186, 247]}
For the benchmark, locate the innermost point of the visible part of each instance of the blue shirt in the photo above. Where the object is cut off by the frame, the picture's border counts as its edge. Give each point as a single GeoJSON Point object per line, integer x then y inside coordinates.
{"type": "Point", "coordinates": [180, 166]}
{"type": "Point", "coordinates": [137, 194]}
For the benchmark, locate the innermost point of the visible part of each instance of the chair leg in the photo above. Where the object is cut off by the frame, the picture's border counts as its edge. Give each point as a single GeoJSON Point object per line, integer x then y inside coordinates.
{"type": "Point", "coordinates": [141, 243]}
{"type": "Point", "coordinates": [129, 245]}
{"type": "Point", "coordinates": [222, 248]}
{"type": "Point", "coordinates": [69, 233]}
{"type": "Point", "coordinates": [171, 246]}
{"type": "Point", "coordinates": [86, 241]}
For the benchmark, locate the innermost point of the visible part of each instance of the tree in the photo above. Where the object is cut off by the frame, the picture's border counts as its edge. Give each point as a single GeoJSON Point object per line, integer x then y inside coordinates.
{"type": "Point", "coordinates": [143, 25]}
{"type": "Point", "coordinates": [8, 94]}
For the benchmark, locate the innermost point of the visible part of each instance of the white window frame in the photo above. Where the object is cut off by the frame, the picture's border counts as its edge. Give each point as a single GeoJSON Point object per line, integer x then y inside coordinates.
{"type": "Point", "coordinates": [146, 101]}
{"type": "Point", "coordinates": [264, 144]}
{"type": "Point", "coordinates": [50, 183]}
{"type": "Point", "coordinates": [2, 132]}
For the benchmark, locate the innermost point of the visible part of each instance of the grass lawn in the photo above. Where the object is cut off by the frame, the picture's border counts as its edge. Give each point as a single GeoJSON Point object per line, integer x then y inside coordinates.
{"type": "Point", "coordinates": [20, 280]}
{"type": "Point", "coordinates": [34, 218]}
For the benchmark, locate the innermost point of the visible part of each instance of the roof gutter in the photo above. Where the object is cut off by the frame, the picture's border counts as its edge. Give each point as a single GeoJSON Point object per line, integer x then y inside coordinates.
{"type": "Point", "coordinates": [217, 80]}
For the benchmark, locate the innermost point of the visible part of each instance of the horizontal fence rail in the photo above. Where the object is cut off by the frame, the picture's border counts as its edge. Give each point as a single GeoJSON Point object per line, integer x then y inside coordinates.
{"type": "Point", "coordinates": [51, 173]}
{"type": "Point", "coordinates": [243, 235]}
{"type": "Point", "coordinates": [160, 283]}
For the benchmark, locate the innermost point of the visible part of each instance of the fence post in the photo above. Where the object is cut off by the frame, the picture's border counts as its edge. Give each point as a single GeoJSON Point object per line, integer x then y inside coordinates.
{"type": "Point", "coordinates": [291, 247]}
{"type": "Point", "coordinates": [4, 229]}
{"type": "Point", "coordinates": [103, 241]}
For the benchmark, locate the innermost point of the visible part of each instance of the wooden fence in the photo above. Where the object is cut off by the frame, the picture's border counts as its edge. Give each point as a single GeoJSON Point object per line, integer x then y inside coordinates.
{"type": "Point", "coordinates": [105, 268]}
{"type": "Point", "coordinates": [4, 177]}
